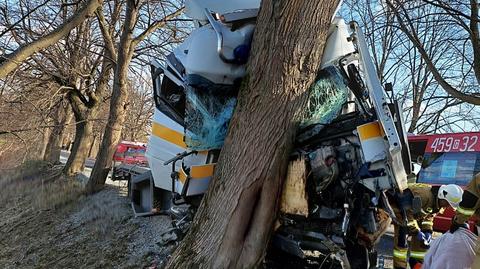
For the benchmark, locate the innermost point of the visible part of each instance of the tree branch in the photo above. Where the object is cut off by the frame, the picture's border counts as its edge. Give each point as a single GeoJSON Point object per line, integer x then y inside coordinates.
{"type": "Point", "coordinates": [155, 26]}
{"type": "Point", "coordinates": [412, 35]}
{"type": "Point", "coordinates": [11, 61]}
{"type": "Point", "coordinates": [107, 37]}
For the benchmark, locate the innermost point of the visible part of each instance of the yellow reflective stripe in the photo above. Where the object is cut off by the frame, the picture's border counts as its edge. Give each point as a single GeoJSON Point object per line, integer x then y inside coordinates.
{"type": "Point", "coordinates": [456, 199]}
{"type": "Point", "coordinates": [464, 211]}
{"type": "Point", "coordinates": [370, 130]}
{"type": "Point", "coordinates": [168, 134]}
{"type": "Point", "coordinates": [427, 223]}
{"type": "Point", "coordinates": [402, 254]}
{"type": "Point", "coordinates": [182, 176]}
{"type": "Point", "coordinates": [418, 185]}
{"type": "Point", "coordinates": [197, 172]}
{"type": "Point", "coordinates": [413, 223]}
{"type": "Point", "coordinates": [417, 254]}
{"type": "Point", "coordinates": [202, 171]}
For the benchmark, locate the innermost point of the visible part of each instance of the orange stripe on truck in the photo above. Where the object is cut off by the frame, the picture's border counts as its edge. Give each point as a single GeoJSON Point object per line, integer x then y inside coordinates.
{"type": "Point", "coordinates": [370, 130]}
{"type": "Point", "coordinates": [197, 172]}
{"type": "Point", "coordinates": [168, 135]}
{"type": "Point", "coordinates": [202, 171]}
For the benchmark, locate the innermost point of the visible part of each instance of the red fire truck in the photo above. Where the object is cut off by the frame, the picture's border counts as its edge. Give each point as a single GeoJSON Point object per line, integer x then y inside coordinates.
{"type": "Point", "coordinates": [129, 159]}
{"type": "Point", "coordinates": [130, 153]}
{"type": "Point", "coordinates": [446, 159]}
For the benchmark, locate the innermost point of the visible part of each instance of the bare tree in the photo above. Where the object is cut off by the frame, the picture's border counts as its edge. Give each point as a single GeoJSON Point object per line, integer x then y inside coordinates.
{"type": "Point", "coordinates": [138, 124]}
{"type": "Point", "coordinates": [427, 107]}
{"type": "Point", "coordinates": [62, 117]}
{"type": "Point", "coordinates": [11, 61]}
{"type": "Point", "coordinates": [402, 9]}
{"type": "Point", "coordinates": [76, 64]}
{"type": "Point", "coordinates": [119, 101]}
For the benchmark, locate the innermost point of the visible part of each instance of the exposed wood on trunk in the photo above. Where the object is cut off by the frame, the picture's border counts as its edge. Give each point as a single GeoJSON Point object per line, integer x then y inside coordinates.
{"type": "Point", "coordinates": [235, 220]}
{"type": "Point", "coordinates": [9, 62]}
{"type": "Point", "coordinates": [294, 196]}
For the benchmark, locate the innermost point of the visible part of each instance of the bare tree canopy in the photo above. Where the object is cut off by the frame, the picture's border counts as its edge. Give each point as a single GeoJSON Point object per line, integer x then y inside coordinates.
{"type": "Point", "coordinates": [401, 11]}
{"type": "Point", "coordinates": [11, 61]}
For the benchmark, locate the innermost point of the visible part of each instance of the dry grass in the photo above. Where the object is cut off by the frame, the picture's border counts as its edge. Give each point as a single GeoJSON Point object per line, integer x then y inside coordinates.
{"type": "Point", "coordinates": [47, 222]}
{"type": "Point", "coordinates": [39, 184]}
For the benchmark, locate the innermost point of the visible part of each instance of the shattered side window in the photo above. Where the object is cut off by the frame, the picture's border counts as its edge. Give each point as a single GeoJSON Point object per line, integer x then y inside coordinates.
{"type": "Point", "coordinates": [328, 94]}
{"type": "Point", "coordinates": [209, 108]}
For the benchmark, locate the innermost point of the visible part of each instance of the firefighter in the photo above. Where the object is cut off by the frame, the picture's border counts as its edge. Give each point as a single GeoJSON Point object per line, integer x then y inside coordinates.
{"type": "Point", "coordinates": [468, 207]}
{"type": "Point", "coordinates": [417, 207]}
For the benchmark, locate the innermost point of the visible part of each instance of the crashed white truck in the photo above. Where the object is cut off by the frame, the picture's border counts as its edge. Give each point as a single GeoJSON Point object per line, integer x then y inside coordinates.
{"type": "Point", "coordinates": [352, 144]}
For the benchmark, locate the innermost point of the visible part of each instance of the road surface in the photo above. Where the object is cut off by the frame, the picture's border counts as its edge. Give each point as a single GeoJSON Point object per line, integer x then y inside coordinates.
{"type": "Point", "coordinates": [89, 163]}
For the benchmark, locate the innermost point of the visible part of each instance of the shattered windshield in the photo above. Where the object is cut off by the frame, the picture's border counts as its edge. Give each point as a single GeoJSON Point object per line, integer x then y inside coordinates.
{"type": "Point", "coordinates": [209, 108]}
{"type": "Point", "coordinates": [328, 94]}
{"type": "Point", "coordinates": [449, 167]}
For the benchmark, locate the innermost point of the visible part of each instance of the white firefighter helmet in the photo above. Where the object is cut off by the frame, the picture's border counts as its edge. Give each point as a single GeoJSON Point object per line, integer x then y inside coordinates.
{"type": "Point", "coordinates": [452, 193]}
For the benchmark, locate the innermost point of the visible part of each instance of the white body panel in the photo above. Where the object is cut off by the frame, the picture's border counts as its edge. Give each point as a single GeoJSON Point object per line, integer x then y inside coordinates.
{"type": "Point", "coordinates": [203, 58]}
{"type": "Point", "coordinates": [160, 150]}
{"type": "Point", "coordinates": [199, 55]}
{"type": "Point", "coordinates": [379, 99]}
{"type": "Point", "coordinates": [337, 44]}
{"type": "Point", "coordinates": [195, 9]}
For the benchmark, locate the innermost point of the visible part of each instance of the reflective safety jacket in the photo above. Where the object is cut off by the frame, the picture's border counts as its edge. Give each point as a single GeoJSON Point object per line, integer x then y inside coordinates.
{"type": "Point", "coordinates": [420, 213]}
{"type": "Point", "coordinates": [470, 201]}
{"type": "Point", "coordinates": [423, 219]}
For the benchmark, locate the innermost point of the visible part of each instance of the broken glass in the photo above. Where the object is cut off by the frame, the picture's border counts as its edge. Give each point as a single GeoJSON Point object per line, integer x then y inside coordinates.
{"type": "Point", "coordinates": [209, 107]}
{"type": "Point", "coordinates": [328, 94]}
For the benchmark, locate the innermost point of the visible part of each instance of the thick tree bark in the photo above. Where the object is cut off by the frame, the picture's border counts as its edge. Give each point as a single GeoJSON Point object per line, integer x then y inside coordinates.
{"type": "Point", "coordinates": [52, 153]}
{"type": "Point", "coordinates": [118, 102]}
{"type": "Point", "coordinates": [234, 222]}
{"type": "Point", "coordinates": [9, 62]}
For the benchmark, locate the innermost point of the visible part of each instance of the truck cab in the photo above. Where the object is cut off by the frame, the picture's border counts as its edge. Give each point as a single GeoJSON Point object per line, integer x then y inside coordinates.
{"type": "Point", "coordinates": [452, 158]}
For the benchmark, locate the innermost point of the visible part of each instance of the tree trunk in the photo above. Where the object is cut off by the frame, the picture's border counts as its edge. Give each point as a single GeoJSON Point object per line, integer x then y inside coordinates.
{"type": "Point", "coordinates": [81, 145]}
{"type": "Point", "coordinates": [52, 154]}
{"type": "Point", "coordinates": [42, 147]}
{"type": "Point", "coordinates": [92, 152]}
{"type": "Point", "coordinates": [54, 145]}
{"type": "Point", "coordinates": [233, 224]}
{"type": "Point", "coordinates": [118, 102]}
